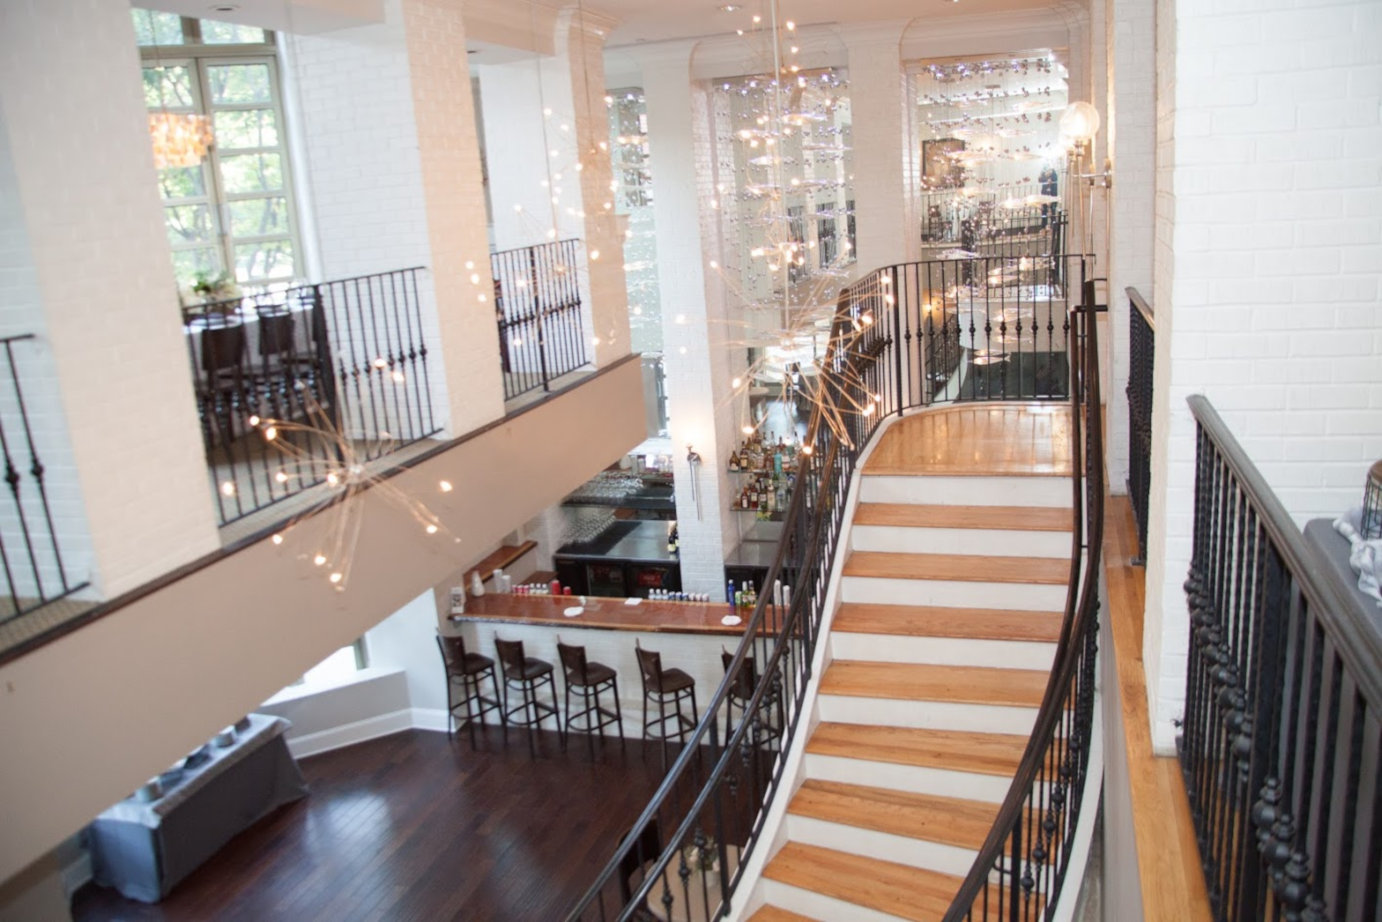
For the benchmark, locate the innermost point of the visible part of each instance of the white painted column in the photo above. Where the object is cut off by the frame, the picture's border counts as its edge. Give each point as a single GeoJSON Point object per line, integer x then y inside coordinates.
{"type": "Point", "coordinates": [607, 290]}
{"type": "Point", "coordinates": [85, 242]}
{"type": "Point", "coordinates": [1130, 27]}
{"type": "Point", "coordinates": [695, 331]}
{"type": "Point", "coordinates": [453, 190]}
{"type": "Point", "coordinates": [881, 127]}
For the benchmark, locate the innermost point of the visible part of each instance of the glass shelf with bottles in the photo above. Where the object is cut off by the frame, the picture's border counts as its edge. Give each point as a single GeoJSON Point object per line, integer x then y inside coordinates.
{"type": "Point", "coordinates": [767, 495]}
{"type": "Point", "coordinates": [760, 453]}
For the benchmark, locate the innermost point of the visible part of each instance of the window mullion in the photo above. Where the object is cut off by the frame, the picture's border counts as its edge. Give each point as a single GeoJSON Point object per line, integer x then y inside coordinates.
{"type": "Point", "coordinates": [220, 212]}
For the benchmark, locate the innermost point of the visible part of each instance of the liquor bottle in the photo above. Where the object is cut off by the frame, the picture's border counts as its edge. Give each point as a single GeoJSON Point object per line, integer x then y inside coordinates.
{"type": "Point", "coordinates": [734, 461]}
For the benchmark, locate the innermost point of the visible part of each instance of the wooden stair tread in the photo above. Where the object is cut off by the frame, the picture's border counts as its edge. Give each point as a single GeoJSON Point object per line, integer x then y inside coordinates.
{"type": "Point", "coordinates": [884, 886]}
{"type": "Point", "coordinates": [924, 682]}
{"type": "Point", "coordinates": [1004, 518]}
{"type": "Point", "coordinates": [932, 621]}
{"type": "Point", "coordinates": [977, 568]}
{"type": "Point", "coordinates": [951, 820]}
{"type": "Point", "coordinates": [957, 750]}
{"type": "Point", "coordinates": [777, 914]}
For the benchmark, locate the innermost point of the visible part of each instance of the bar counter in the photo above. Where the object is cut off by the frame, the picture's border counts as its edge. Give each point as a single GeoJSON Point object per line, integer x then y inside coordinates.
{"type": "Point", "coordinates": [655, 617]}
{"type": "Point", "coordinates": [689, 636]}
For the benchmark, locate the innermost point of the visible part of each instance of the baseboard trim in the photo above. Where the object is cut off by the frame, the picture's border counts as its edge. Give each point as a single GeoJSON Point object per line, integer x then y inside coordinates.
{"type": "Point", "coordinates": [349, 734]}
{"type": "Point", "coordinates": [430, 719]}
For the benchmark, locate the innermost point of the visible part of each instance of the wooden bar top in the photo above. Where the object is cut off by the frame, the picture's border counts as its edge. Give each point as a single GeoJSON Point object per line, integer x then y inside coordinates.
{"type": "Point", "coordinates": [602, 612]}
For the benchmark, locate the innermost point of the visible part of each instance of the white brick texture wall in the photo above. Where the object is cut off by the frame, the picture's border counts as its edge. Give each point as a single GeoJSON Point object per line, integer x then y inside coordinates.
{"type": "Point", "coordinates": [102, 273]}
{"type": "Point", "coordinates": [453, 190]}
{"type": "Point", "coordinates": [1269, 258]}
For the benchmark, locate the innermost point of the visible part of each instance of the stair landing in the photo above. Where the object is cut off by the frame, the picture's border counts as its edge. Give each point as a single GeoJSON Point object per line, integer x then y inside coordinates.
{"type": "Point", "coordinates": [1001, 439]}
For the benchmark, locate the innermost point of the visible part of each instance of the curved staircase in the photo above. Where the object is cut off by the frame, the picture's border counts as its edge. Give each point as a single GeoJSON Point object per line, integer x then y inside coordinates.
{"type": "Point", "coordinates": [939, 651]}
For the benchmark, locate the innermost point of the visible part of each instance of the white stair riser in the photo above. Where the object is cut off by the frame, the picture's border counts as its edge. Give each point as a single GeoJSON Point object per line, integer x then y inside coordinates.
{"type": "Point", "coordinates": [967, 491]}
{"type": "Point", "coordinates": [919, 853]}
{"type": "Point", "coordinates": [953, 593]}
{"type": "Point", "coordinates": [1000, 543]}
{"type": "Point", "coordinates": [942, 651]}
{"type": "Point", "coordinates": [927, 715]}
{"type": "Point", "coordinates": [818, 905]}
{"type": "Point", "coordinates": [918, 779]}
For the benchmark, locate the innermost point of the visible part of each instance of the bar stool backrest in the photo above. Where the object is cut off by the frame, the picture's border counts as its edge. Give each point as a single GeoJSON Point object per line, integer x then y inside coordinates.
{"type": "Point", "coordinates": [452, 652]}
{"type": "Point", "coordinates": [510, 655]}
{"type": "Point", "coordinates": [650, 666]}
{"type": "Point", "coordinates": [745, 681]}
{"type": "Point", "coordinates": [573, 662]}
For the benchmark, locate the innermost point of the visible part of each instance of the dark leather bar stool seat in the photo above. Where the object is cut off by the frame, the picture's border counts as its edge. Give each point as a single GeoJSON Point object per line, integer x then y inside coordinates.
{"type": "Point", "coordinates": [665, 687]}
{"type": "Point", "coordinates": [464, 673]}
{"type": "Point", "coordinates": [589, 680]}
{"type": "Point", "coordinates": [527, 675]}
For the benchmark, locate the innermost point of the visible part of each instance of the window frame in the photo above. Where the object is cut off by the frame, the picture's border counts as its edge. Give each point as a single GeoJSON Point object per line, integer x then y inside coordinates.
{"type": "Point", "coordinates": [200, 58]}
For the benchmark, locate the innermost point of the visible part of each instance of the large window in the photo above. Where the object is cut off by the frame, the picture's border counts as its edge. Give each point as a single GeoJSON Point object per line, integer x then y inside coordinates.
{"type": "Point", "coordinates": [232, 212]}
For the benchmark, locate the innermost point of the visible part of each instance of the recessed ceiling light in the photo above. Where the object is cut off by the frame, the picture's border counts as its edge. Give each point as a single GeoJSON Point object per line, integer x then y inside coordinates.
{"type": "Point", "coordinates": [730, 8]}
{"type": "Point", "coordinates": [224, 7]}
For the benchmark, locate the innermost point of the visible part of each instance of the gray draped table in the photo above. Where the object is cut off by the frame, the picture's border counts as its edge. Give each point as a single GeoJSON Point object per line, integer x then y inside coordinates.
{"type": "Point", "coordinates": [144, 849]}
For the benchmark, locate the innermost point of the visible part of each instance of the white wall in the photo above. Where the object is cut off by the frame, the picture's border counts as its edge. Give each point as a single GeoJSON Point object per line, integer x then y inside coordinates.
{"type": "Point", "coordinates": [405, 641]}
{"type": "Point", "coordinates": [21, 312]}
{"type": "Point", "coordinates": [353, 100]}
{"type": "Point", "coordinates": [393, 175]}
{"type": "Point", "coordinates": [1269, 258]}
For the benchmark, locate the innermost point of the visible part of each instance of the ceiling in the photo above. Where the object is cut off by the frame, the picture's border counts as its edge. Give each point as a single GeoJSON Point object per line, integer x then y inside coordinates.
{"type": "Point", "coordinates": [659, 20]}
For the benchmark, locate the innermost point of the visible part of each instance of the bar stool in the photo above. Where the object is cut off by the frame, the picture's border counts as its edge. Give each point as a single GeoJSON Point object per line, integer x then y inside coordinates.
{"type": "Point", "coordinates": [467, 670]}
{"type": "Point", "coordinates": [527, 675]}
{"type": "Point", "coordinates": [589, 679]}
{"type": "Point", "coordinates": [741, 691]}
{"type": "Point", "coordinates": [665, 686]}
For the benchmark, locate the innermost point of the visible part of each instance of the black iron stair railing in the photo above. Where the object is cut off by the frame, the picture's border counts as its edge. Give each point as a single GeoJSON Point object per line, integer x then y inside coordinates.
{"type": "Point", "coordinates": [1141, 364]}
{"type": "Point", "coordinates": [688, 848]}
{"type": "Point", "coordinates": [1281, 744]}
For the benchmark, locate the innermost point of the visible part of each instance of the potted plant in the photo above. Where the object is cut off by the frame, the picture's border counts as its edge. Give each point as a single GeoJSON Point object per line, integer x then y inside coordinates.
{"type": "Point", "coordinates": [215, 294]}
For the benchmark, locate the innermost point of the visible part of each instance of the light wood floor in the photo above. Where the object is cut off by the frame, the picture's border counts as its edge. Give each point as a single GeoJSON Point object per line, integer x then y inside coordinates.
{"type": "Point", "coordinates": [1008, 439]}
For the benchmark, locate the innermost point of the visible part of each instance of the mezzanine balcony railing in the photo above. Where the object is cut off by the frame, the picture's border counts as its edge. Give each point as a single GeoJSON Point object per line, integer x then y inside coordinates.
{"type": "Point", "coordinates": [537, 305]}
{"type": "Point", "coordinates": [291, 385]}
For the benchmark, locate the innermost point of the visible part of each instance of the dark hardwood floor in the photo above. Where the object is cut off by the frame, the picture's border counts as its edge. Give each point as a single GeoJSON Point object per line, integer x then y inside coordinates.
{"type": "Point", "coordinates": [414, 826]}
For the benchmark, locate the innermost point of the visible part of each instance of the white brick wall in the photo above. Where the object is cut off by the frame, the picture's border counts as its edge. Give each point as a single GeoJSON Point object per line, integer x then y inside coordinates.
{"type": "Point", "coordinates": [1130, 30]}
{"type": "Point", "coordinates": [353, 99]}
{"type": "Point", "coordinates": [21, 312]}
{"type": "Point", "coordinates": [394, 181]}
{"type": "Point", "coordinates": [453, 191]}
{"type": "Point", "coordinates": [350, 94]}
{"type": "Point", "coordinates": [1269, 259]}
{"type": "Point", "coordinates": [102, 273]}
